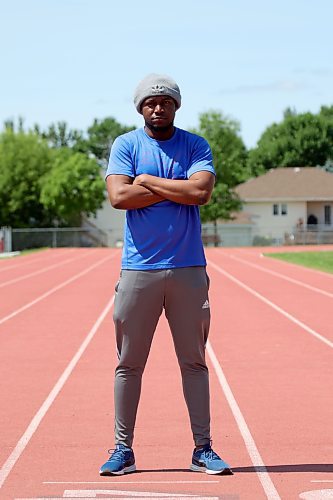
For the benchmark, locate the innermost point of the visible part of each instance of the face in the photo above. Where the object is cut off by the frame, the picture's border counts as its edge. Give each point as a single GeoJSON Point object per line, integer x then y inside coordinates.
{"type": "Point", "coordinates": [159, 112]}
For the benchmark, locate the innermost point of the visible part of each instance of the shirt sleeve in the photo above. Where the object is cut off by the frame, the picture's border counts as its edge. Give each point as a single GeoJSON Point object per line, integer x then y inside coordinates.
{"type": "Point", "coordinates": [201, 158]}
{"type": "Point", "coordinates": [120, 160]}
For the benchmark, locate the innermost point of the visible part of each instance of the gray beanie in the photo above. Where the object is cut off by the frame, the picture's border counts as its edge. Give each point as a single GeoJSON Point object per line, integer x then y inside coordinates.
{"type": "Point", "coordinates": [156, 85]}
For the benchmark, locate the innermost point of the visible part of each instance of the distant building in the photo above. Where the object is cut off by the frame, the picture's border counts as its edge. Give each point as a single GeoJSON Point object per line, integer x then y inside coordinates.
{"type": "Point", "coordinates": [289, 205]}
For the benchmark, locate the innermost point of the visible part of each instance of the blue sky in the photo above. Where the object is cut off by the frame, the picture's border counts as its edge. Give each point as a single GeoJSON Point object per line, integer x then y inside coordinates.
{"type": "Point", "coordinates": [76, 60]}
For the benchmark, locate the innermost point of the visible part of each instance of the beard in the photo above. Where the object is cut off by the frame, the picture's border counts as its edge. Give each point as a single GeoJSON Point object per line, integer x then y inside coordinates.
{"type": "Point", "coordinates": [159, 128]}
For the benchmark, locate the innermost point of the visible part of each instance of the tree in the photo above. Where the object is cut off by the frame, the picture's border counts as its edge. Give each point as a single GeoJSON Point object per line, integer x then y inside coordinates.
{"type": "Point", "coordinates": [58, 135]}
{"type": "Point", "coordinates": [101, 135]}
{"type": "Point", "coordinates": [41, 186]}
{"type": "Point", "coordinates": [229, 151]}
{"type": "Point", "coordinates": [229, 156]}
{"type": "Point", "coordinates": [24, 159]}
{"type": "Point", "coordinates": [300, 140]}
{"type": "Point", "coordinates": [72, 187]}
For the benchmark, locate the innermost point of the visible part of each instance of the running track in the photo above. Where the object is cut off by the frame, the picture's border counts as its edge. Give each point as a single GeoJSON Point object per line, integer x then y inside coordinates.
{"type": "Point", "coordinates": [270, 359]}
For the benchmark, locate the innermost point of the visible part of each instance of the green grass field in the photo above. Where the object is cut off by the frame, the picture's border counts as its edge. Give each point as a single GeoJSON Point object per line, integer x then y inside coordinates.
{"type": "Point", "coordinates": [316, 260]}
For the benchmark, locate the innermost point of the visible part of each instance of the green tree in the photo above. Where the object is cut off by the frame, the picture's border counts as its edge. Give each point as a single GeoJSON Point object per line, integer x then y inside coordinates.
{"type": "Point", "coordinates": [229, 156]}
{"type": "Point", "coordinates": [100, 136]}
{"type": "Point", "coordinates": [24, 160]}
{"type": "Point", "coordinates": [59, 135]}
{"type": "Point", "coordinates": [300, 140]}
{"type": "Point", "coordinates": [72, 187]}
{"type": "Point", "coordinates": [229, 151]}
{"type": "Point", "coordinates": [42, 185]}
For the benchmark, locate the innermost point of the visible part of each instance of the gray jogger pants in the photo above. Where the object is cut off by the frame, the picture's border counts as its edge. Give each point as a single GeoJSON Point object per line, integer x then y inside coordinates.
{"type": "Point", "coordinates": [140, 299]}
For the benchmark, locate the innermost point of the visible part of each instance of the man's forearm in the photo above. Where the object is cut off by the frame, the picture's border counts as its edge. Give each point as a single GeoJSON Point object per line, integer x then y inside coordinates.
{"type": "Point", "coordinates": [186, 192]}
{"type": "Point", "coordinates": [134, 196]}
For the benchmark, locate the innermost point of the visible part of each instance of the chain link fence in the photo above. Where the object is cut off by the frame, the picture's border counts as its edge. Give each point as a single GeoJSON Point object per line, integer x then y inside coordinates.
{"type": "Point", "coordinates": [14, 239]}
{"type": "Point", "coordinates": [220, 235]}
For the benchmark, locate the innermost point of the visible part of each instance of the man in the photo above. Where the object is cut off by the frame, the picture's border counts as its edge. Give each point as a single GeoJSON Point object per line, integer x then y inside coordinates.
{"type": "Point", "coordinates": [161, 174]}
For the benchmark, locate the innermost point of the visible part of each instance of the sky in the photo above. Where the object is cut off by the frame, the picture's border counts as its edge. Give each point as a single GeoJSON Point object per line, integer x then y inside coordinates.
{"type": "Point", "coordinates": [77, 60]}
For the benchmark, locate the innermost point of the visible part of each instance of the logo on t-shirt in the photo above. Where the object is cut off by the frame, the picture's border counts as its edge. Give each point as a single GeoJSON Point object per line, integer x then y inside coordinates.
{"type": "Point", "coordinates": [205, 305]}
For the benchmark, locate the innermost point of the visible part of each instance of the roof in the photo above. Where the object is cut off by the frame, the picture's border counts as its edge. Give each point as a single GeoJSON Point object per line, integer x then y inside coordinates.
{"type": "Point", "coordinates": [288, 184]}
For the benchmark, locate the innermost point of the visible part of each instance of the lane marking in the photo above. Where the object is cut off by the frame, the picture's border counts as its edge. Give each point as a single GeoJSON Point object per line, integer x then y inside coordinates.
{"type": "Point", "coordinates": [55, 289]}
{"type": "Point", "coordinates": [45, 269]}
{"type": "Point", "coordinates": [317, 495]}
{"type": "Point", "coordinates": [116, 481]}
{"type": "Point", "coordinates": [29, 259]}
{"type": "Point", "coordinates": [128, 495]}
{"type": "Point", "coordinates": [321, 481]}
{"type": "Point", "coordinates": [169, 497]}
{"type": "Point", "coordinates": [131, 494]}
{"type": "Point", "coordinates": [34, 424]}
{"type": "Point", "coordinates": [272, 304]}
{"type": "Point", "coordinates": [250, 444]}
{"type": "Point", "coordinates": [283, 276]}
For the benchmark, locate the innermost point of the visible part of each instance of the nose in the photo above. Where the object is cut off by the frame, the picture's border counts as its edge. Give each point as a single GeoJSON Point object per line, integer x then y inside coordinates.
{"type": "Point", "coordinates": [159, 108]}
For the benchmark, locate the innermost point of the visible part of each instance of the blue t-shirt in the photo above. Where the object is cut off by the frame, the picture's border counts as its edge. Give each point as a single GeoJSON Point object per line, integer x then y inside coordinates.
{"type": "Point", "coordinates": [167, 234]}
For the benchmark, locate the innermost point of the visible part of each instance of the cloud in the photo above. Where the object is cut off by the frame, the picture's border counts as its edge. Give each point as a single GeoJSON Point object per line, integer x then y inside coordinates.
{"type": "Point", "coordinates": [278, 86]}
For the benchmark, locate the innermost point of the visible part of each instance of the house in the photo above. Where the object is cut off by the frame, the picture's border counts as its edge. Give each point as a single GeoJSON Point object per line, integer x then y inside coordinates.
{"type": "Point", "coordinates": [289, 205]}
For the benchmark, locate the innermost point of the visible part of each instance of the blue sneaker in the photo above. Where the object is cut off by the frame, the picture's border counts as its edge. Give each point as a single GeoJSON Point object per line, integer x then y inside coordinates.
{"type": "Point", "coordinates": [206, 460]}
{"type": "Point", "coordinates": [120, 462]}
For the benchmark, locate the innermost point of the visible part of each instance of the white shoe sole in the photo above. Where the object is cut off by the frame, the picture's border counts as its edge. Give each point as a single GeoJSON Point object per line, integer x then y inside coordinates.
{"type": "Point", "coordinates": [197, 468]}
{"type": "Point", "coordinates": [131, 468]}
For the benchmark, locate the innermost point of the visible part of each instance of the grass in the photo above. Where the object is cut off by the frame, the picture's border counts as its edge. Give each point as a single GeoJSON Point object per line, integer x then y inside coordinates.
{"type": "Point", "coordinates": [25, 252]}
{"type": "Point", "coordinates": [315, 260]}
{"type": "Point", "coordinates": [33, 250]}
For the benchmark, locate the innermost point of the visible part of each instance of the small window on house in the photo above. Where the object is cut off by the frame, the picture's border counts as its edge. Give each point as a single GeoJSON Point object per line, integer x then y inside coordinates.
{"type": "Point", "coordinates": [284, 209]}
{"type": "Point", "coordinates": [275, 209]}
{"type": "Point", "coordinates": [328, 215]}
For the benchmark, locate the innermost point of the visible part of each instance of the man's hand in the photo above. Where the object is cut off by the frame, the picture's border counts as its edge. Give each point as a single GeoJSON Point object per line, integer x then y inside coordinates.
{"type": "Point", "coordinates": [141, 179]}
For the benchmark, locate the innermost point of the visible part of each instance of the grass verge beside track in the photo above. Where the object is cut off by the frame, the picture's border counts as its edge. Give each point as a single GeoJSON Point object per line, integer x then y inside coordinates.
{"type": "Point", "coordinates": [316, 260]}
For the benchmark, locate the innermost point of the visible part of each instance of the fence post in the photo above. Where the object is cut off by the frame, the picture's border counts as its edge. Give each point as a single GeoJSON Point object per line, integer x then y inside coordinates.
{"type": "Point", "coordinates": [5, 239]}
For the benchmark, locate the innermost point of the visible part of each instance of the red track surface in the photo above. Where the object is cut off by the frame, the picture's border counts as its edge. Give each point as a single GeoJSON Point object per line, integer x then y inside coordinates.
{"type": "Point", "coordinates": [270, 359]}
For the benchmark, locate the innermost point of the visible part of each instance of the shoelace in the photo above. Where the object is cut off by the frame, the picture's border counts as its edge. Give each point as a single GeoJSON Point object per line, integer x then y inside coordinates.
{"type": "Point", "coordinates": [210, 454]}
{"type": "Point", "coordinates": [117, 453]}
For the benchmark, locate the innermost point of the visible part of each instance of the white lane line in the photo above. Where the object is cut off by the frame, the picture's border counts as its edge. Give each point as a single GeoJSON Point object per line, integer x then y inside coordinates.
{"type": "Point", "coordinates": [130, 494]}
{"type": "Point", "coordinates": [32, 427]}
{"type": "Point", "coordinates": [39, 256]}
{"type": "Point", "coordinates": [271, 304]}
{"type": "Point", "coordinates": [116, 481]}
{"type": "Point", "coordinates": [55, 289]}
{"type": "Point", "coordinates": [283, 276]}
{"type": "Point", "coordinates": [317, 495]}
{"type": "Point", "coordinates": [250, 444]}
{"type": "Point", "coordinates": [87, 495]}
{"type": "Point", "coordinates": [45, 269]}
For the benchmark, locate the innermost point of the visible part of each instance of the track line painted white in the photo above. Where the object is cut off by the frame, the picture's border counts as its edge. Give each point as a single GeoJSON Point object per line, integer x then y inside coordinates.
{"type": "Point", "coordinates": [271, 304]}
{"type": "Point", "coordinates": [26, 261]}
{"type": "Point", "coordinates": [317, 495]}
{"type": "Point", "coordinates": [55, 289]}
{"type": "Point", "coordinates": [283, 276]}
{"type": "Point", "coordinates": [32, 427]}
{"type": "Point", "coordinates": [88, 495]}
{"type": "Point", "coordinates": [250, 444]}
{"type": "Point", "coordinates": [116, 481]}
{"type": "Point", "coordinates": [45, 269]}
{"type": "Point", "coordinates": [131, 494]}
